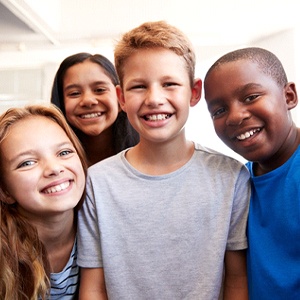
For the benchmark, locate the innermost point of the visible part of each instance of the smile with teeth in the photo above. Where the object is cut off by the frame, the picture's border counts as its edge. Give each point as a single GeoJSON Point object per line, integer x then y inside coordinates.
{"type": "Point", "coordinates": [57, 188]}
{"type": "Point", "coordinates": [247, 134]}
{"type": "Point", "coordinates": [91, 115]}
{"type": "Point", "coordinates": [157, 117]}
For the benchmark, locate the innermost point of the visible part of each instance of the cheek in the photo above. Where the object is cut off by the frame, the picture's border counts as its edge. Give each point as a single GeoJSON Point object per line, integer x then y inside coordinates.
{"type": "Point", "coordinates": [18, 186]}
{"type": "Point", "coordinates": [114, 110]}
{"type": "Point", "coordinates": [81, 175]}
{"type": "Point", "coordinates": [69, 106]}
{"type": "Point", "coordinates": [69, 109]}
{"type": "Point", "coordinates": [219, 127]}
{"type": "Point", "coordinates": [132, 105]}
{"type": "Point", "coordinates": [80, 178]}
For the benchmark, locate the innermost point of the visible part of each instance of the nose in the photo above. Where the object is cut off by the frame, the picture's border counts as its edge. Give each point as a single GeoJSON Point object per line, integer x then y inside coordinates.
{"type": "Point", "coordinates": [88, 99]}
{"type": "Point", "coordinates": [237, 114]}
{"type": "Point", "coordinates": [154, 97]}
{"type": "Point", "coordinates": [53, 168]}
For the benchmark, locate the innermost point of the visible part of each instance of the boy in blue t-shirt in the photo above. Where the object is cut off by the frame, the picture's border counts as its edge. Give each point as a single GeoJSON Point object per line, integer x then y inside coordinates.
{"type": "Point", "coordinates": [249, 99]}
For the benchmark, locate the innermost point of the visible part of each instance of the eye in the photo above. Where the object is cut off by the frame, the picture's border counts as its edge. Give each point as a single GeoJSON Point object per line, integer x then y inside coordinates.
{"type": "Point", "coordinates": [137, 87]}
{"type": "Point", "coordinates": [73, 94]}
{"type": "Point", "coordinates": [66, 152]}
{"type": "Point", "coordinates": [217, 113]}
{"type": "Point", "coordinates": [167, 84]}
{"type": "Point", "coordinates": [26, 163]}
{"type": "Point", "coordinates": [99, 90]}
{"type": "Point", "coordinates": [251, 98]}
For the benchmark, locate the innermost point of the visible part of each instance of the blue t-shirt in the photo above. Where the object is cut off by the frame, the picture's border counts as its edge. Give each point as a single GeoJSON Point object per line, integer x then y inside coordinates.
{"type": "Point", "coordinates": [274, 233]}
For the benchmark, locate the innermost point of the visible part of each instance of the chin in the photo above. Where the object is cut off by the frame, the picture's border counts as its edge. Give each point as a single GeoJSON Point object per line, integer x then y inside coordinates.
{"type": "Point", "coordinates": [92, 133]}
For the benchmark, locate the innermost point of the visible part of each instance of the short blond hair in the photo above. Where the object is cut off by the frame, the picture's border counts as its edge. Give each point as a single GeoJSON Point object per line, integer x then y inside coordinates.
{"type": "Point", "coordinates": [157, 34]}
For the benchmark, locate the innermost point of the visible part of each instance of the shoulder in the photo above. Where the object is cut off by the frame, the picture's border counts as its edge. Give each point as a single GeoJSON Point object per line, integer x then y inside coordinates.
{"type": "Point", "coordinates": [108, 170]}
{"type": "Point", "coordinates": [218, 164]}
{"type": "Point", "coordinates": [215, 157]}
{"type": "Point", "coordinates": [107, 162]}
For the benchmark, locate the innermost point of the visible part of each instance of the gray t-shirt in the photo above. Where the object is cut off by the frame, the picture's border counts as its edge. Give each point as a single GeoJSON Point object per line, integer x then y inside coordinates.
{"type": "Point", "coordinates": [164, 237]}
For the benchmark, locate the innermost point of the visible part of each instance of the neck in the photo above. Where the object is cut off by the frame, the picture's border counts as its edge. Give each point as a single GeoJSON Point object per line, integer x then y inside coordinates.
{"type": "Point", "coordinates": [287, 149]}
{"type": "Point", "coordinates": [58, 236]}
{"type": "Point", "coordinates": [97, 147]}
{"type": "Point", "coordinates": [160, 158]}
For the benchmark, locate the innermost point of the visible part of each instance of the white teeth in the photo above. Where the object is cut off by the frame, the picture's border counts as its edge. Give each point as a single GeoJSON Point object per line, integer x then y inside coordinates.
{"type": "Point", "coordinates": [247, 134]}
{"type": "Point", "coordinates": [93, 115]}
{"type": "Point", "coordinates": [57, 188]}
{"type": "Point", "coordinates": [158, 117]}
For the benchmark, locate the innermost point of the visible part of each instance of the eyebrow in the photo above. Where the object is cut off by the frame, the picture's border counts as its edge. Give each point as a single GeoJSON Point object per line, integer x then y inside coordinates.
{"type": "Point", "coordinates": [213, 103]}
{"type": "Point", "coordinates": [32, 151]}
{"type": "Point", "coordinates": [163, 78]}
{"type": "Point", "coordinates": [248, 86]}
{"type": "Point", "coordinates": [237, 91]}
{"type": "Point", "coordinates": [75, 85]}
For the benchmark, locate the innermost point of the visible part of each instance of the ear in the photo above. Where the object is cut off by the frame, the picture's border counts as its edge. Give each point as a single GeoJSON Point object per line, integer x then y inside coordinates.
{"type": "Point", "coordinates": [121, 98]}
{"type": "Point", "coordinates": [291, 95]}
{"type": "Point", "coordinates": [196, 92]}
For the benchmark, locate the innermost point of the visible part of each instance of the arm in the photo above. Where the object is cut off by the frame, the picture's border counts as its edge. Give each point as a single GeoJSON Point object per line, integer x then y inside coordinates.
{"type": "Point", "coordinates": [235, 282]}
{"type": "Point", "coordinates": [92, 284]}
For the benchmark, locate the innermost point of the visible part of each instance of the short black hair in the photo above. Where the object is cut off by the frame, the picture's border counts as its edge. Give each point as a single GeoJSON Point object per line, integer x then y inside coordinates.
{"type": "Point", "coordinates": [267, 61]}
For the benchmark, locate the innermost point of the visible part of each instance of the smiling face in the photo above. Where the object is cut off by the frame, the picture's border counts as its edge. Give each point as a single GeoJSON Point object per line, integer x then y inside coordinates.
{"type": "Point", "coordinates": [41, 169]}
{"type": "Point", "coordinates": [90, 98]}
{"type": "Point", "coordinates": [250, 111]}
{"type": "Point", "coordinates": [157, 94]}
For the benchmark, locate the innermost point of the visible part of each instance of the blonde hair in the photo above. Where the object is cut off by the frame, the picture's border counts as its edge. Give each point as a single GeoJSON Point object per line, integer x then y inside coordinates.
{"type": "Point", "coordinates": [25, 270]}
{"type": "Point", "coordinates": [154, 35]}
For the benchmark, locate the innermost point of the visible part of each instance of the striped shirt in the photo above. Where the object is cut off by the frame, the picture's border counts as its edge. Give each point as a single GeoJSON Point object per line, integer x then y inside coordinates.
{"type": "Point", "coordinates": [64, 285]}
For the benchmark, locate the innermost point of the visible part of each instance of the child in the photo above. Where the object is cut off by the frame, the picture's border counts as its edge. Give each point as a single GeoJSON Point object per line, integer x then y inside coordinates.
{"type": "Point", "coordinates": [161, 218]}
{"type": "Point", "coordinates": [249, 99]}
{"type": "Point", "coordinates": [84, 89]}
{"type": "Point", "coordinates": [42, 167]}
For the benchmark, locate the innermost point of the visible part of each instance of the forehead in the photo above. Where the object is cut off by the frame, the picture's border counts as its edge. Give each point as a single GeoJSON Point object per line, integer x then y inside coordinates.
{"type": "Point", "coordinates": [231, 77]}
{"type": "Point", "coordinates": [86, 70]}
{"type": "Point", "coordinates": [34, 134]}
{"type": "Point", "coordinates": [31, 122]}
{"type": "Point", "coordinates": [33, 128]}
{"type": "Point", "coordinates": [244, 68]}
{"type": "Point", "coordinates": [153, 58]}
{"type": "Point", "coordinates": [234, 73]}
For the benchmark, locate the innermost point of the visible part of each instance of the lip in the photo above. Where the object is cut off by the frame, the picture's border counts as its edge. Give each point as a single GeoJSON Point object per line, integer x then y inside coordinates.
{"type": "Point", "coordinates": [90, 115]}
{"type": "Point", "coordinates": [246, 134]}
{"type": "Point", "coordinates": [156, 116]}
{"type": "Point", "coordinates": [57, 186]}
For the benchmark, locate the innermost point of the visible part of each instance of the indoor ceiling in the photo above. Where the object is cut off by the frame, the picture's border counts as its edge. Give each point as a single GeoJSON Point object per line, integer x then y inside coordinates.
{"type": "Point", "coordinates": [48, 26]}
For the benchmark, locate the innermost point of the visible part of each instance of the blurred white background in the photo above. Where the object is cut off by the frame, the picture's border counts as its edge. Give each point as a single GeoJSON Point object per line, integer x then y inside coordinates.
{"type": "Point", "coordinates": [36, 35]}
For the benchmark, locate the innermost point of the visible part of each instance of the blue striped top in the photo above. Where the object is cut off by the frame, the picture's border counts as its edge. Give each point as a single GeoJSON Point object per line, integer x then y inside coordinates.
{"type": "Point", "coordinates": [65, 285]}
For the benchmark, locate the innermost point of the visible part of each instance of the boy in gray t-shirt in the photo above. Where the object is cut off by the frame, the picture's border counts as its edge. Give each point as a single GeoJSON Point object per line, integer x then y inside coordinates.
{"type": "Point", "coordinates": [166, 218]}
